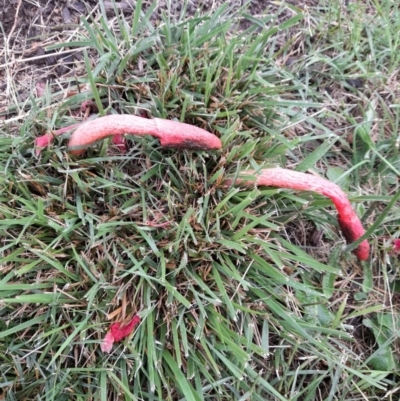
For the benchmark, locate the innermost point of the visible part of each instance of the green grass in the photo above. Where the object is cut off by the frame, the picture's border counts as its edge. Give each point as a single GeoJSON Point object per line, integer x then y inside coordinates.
{"type": "Point", "coordinates": [237, 302]}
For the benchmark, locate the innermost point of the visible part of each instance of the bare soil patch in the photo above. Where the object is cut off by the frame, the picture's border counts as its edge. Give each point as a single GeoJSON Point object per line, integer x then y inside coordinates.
{"type": "Point", "coordinates": [31, 27]}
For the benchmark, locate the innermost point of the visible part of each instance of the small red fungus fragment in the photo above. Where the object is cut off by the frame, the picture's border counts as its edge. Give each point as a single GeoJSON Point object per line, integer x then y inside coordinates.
{"type": "Point", "coordinates": [88, 104]}
{"type": "Point", "coordinates": [42, 142]}
{"type": "Point", "coordinates": [349, 222]}
{"type": "Point", "coordinates": [118, 333]}
{"type": "Point", "coordinates": [120, 142]}
{"type": "Point", "coordinates": [396, 246]}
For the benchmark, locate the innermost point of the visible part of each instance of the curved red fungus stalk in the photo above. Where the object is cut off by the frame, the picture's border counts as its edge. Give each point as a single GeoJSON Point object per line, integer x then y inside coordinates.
{"type": "Point", "coordinates": [170, 133]}
{"type": "Point", "coordinates": [349, 222]}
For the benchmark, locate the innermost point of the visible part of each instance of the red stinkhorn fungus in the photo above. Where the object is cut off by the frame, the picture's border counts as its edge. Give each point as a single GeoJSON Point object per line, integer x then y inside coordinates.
{"type": "Point", "coordinates": [396, 246]}
{"type": "Point", "coordinates": [181, 135]}
{"type": "Point", "coordinates": [349, 222]}
{"type": "Point", "coordinates": [118, 333]}
{"type": "Point", "coordinates": [170, 133]}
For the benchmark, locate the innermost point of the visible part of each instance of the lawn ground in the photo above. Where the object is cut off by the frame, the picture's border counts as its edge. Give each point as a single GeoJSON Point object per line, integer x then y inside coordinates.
{"type": "Point", "coordinates": [243, 294]}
